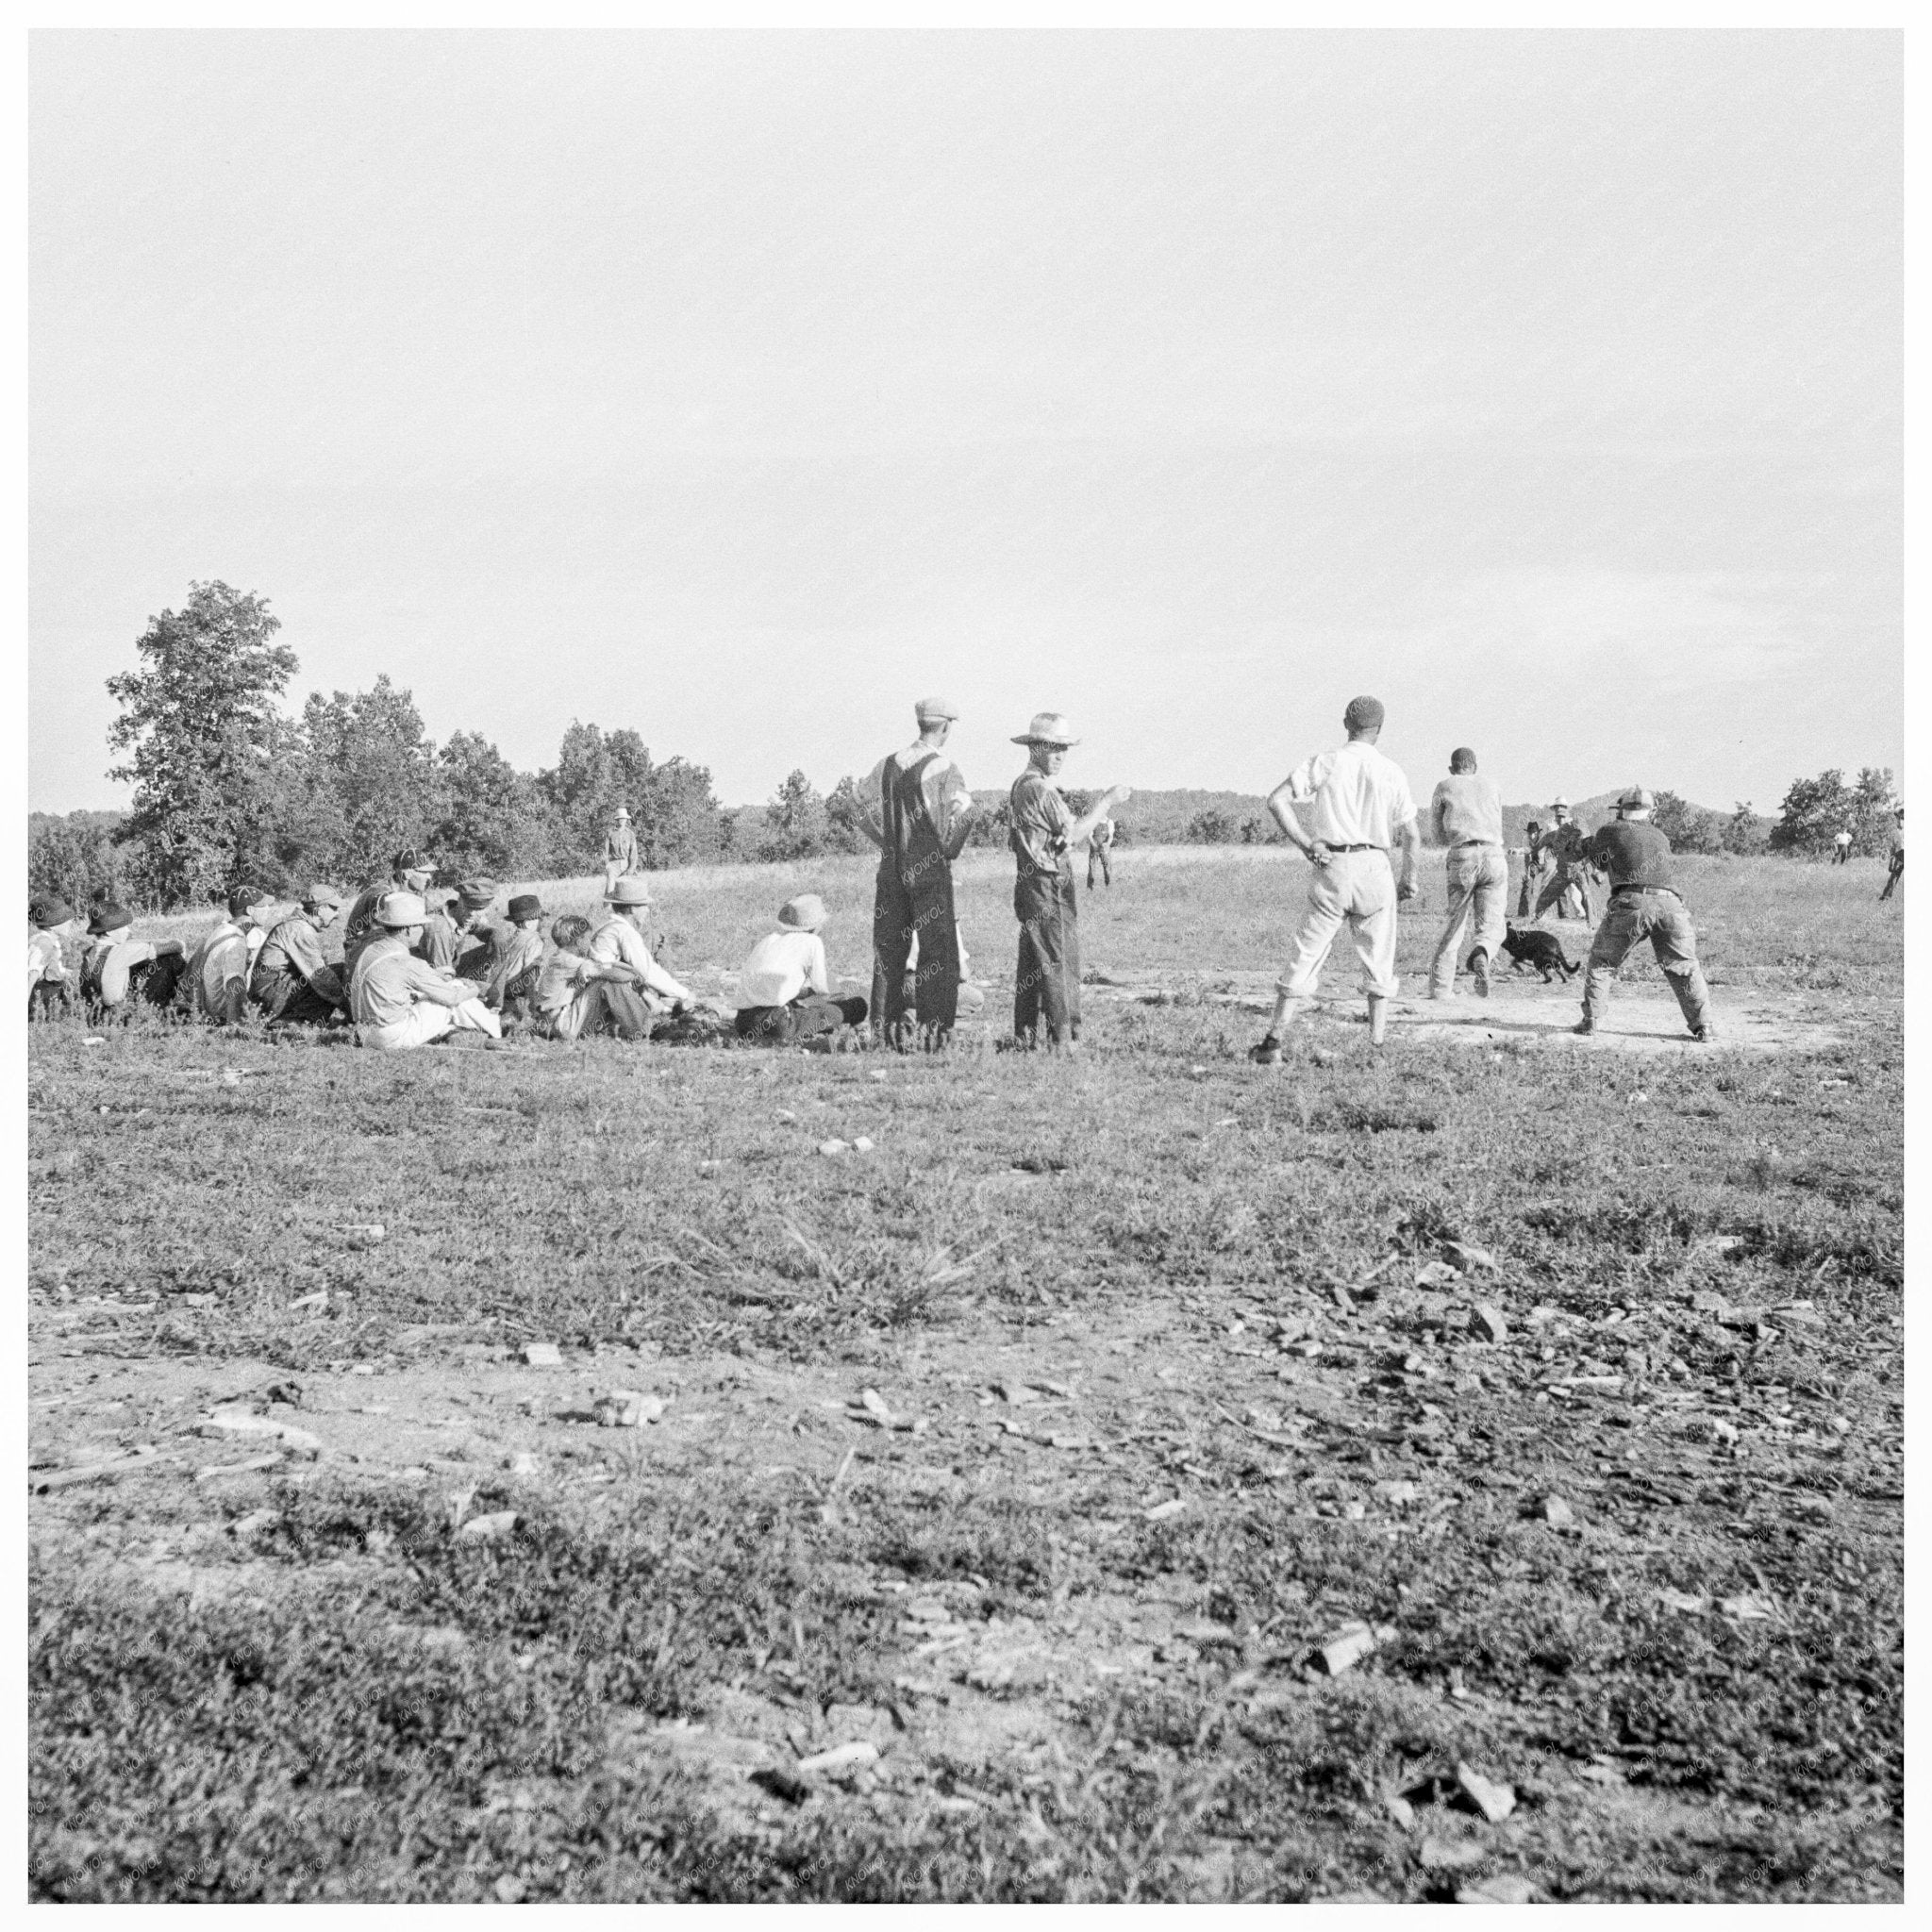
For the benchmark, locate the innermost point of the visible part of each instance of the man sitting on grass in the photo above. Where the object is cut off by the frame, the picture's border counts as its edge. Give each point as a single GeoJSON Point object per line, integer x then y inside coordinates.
{"type": "Point", "coordinates": [576, 994]}
{"type": "Point", "coordinates": [515, 961]}
{"type": "Point", "coordinates": [621, 941]}
{"type": "Point", "coordinates": [122, 972]}
{"type": "Point", "coordinates": [52, 925]}
{"type": "Point", "coordinates": [399, 1001]}
{"type": "Point", "coordinates": [291, 983]}
{"type": "Point", "coordinates": [785, 986]}
{"type": "Point", "coordinates": [215, 986]}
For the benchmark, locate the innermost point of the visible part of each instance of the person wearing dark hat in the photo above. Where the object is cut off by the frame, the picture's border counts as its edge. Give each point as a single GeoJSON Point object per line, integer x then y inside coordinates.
{"type": "Point", "coordinates": [1362, 811]}
{"type": "Point", "coordinates": [410, 871]}
{"type": "Point", "coordinates": [399, 1001]}
{"type": "Point", "coordinates": [1533, 865]}
{"type": "Point", "coordinates": [52, 927]}
{"type": "Point", "coordinates": [785, 985]}
{"type": "Point", "coordinates": [917, 810]}
{"type": "Point", "coordinates": [620, 848]}
{"type": "Point", "coordinates": [1895, 866]}
{"type": "Point", "coordinates": [121, 972]}
{"type": "Point", "coordinates": [1643, 904]}
{"type": "Point", "coordinates": [1045, 836]}
{"type": "Point", "coordinates": [456, 936]}
{"type": "Point", "coordinates": [516, 959]}
{"type": "Point", "coordinates": [291, 982]}
{"type": "Point", "coordinates": [214, 987]}
{"type": "Point", "coordinates": [1466, 815]}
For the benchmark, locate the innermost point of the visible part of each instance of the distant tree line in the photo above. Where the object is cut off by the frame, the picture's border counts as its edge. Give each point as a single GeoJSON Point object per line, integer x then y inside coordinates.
{"type": "Point", "coordinates": [229, 788]}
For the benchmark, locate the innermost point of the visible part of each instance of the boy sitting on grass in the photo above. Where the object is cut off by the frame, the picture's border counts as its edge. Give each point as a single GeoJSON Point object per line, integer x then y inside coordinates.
{"type": "Point", "coordinates": [785, 987]}
{"type": "Point", "coordinates": [576, 994]}
{"type": "Point", "coordinates": [121, 972]}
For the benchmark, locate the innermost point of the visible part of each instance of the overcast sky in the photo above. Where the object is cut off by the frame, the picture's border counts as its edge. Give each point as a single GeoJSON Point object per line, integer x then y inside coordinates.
{"type": "Point", "coordinates": [741, 388]}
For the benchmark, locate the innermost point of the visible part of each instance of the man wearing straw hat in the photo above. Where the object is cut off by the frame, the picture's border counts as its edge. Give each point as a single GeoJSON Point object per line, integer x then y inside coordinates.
{"type": "Point", "coordinates": [291, 982]}
{"type": "Point", "coordinates": [399, 1001]}
{"type": "Point", "coordinates": [1045, 834]}
{"type": "Point", "coordinates": [1362, 808]}
{"type": "Point", "coordinates": [621, 941]}
{"type": "Point", "coordinates": [620, 849]}
{"type": "Point", "coordinates": [917, 810]}
{"type": "Point", "coordinates": [785, 985]}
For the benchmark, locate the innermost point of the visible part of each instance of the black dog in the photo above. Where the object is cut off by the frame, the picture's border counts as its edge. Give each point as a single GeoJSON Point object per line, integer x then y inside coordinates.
{"type": "Point", "coordinates": [1527, 946]}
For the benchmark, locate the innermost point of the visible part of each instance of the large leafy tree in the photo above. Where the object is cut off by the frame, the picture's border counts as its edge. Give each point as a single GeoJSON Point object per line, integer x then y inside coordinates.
{"type": "Point", "coordinates": [1815, 810]}
{"type": "Point", "coordinates": [493, 817]}
{"type": "Point", "coordinates": [375, 767]}
{"type": "Point", "coordinates": [794, 821]}
{"type": "Point", "coordinates": [199, 721]}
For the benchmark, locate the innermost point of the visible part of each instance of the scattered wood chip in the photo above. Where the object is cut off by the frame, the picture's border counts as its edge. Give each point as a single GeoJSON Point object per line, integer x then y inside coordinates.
{"type": "Point", "coordinates": [1488, 1321]}
{"type": "Point", "coordinates": [483, 1530]}
{"type": "Point", "coordinates": [627, 1408]}
{"type": "Point", "coordinates": [1161, 1511]}
{"type": "Point", "coordinates": [542, 1355]}
{"type": "Point", "coordinates": [840, 1756]}
{"type": "Point", "coordinates": [1437, 1274]}
{"type": "Point", "coordinates": [1745, 1609]}
{"type": "Point", "coordinates": [1449, 1854]}
{"type": "Point", "coordinates": [833, 1146]}
{"type": "Point", "coordinates": [1683, 1602]}
{"type": "Point", "coordinates": [1494, 1800]}
{"type": "Point", "coordinates": [1506, 1889]}
{"type": "Point", "coordinates": [274, 1459]}
{"type": "Point", "coordinates": [318, 1300]}
{"type": "Point", "coordinates": [1347, 1648]}
{"type": "Point", "coordinates": [1468, 1260]}
{"type": "Point", "coordinates": [239, 1423]}
{"type": "Point", "coordinates": [1556, 1512]}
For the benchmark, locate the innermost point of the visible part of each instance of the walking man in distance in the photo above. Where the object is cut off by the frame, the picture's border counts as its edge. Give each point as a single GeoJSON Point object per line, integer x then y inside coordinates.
{"type": "Point", "coordinates": [1362, 811]}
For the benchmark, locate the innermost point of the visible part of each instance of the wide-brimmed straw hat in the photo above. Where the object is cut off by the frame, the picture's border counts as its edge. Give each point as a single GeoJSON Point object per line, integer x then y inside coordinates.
{"type": "Point", "coordinates": [1048, 727]}
{"type": "Point", "coordinates": [629, 890]}
{"type": "Point", "coordinates": [398, 909]}
{"type": "Point", "coordinates": [806, 913]}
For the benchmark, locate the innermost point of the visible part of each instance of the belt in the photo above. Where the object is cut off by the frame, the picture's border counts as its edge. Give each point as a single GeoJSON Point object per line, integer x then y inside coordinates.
{"type": "Point", "coordinates": [1353, 848]}
{"type": "Point", "coordinates": [1634, 887]}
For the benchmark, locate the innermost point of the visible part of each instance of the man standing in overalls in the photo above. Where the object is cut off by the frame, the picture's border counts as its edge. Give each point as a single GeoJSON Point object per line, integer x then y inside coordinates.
{"type": "Point", "coordinates": [916, 812]}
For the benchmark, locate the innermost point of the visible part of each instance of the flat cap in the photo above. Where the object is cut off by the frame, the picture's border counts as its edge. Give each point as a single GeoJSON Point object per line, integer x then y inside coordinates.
{"type": "Point", "coordinates": [935, 710]}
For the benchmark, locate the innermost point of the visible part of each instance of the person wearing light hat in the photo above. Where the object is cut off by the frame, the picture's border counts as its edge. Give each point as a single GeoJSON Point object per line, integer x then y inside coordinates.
{"type": "Point", "coordinates": [291, 982]}
{"type": "Point", "coordinates": [410, 871]}
{"type": "Point", "coordinates": [1895, 866]}
{"type": "Point", "coordinates": [1569, 885]}
{"type": "Point", "coordinates": [399, 1001]}
{"type": "Point", "coordinates": [1643, 904]}
{"type": "Point", "coordinates": [785, 986]}
{"type": "Point", "coordinates": [456, 936]}
{"type": "Point", "coordinates": [917, 810]}
{"type": "Point", "coordinates": [621, 941]}
{"type": "Point", "coordinates": [620, 849]}
{"type": "Point", "coordinates": [1362, 811]}
{"type": "Point", "coordinates": [121, 971]}
{"type": "Point", "coordinates": [1045, 836]}
{"type": "Point", "coordinates": [52, 925]}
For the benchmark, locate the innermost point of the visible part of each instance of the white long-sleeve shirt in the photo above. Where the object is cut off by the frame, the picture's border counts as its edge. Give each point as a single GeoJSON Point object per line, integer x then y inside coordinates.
{"type": "Point", "coordinates": [1361, 797]}
{"type": "Point", "coordinates": [618, 943]}
{"type": "Point", "coordinates": [780, 967]}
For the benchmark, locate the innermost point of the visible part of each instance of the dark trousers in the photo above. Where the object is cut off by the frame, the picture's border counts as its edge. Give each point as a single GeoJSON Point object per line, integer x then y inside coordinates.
{"type": "Point", "coordinates": [289, 998]}
{"type": "Point", "coordinates": [1098, 854]}
{"type": "Point", "coordinates": [1046, 989]}
{"type": "Point", "coordinates": [807, 1017]}
{"type": "Point", "coordinates": [915, 898]}
{"type": "Point", "coordinates": [614, 1007]}
{"type": "Point", "coordinates": [1895, 874]}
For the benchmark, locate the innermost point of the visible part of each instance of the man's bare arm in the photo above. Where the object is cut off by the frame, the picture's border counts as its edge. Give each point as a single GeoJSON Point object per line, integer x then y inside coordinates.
{"type": "Point", "coordinates": [1282, 810]}
{"type": "Point", "coordinates": [1407, 843]}
{"type": "Point", "coordinates": [1082, 829]}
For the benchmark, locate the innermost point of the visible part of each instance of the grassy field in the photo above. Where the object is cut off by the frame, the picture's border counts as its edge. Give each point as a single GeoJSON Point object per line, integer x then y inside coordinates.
{"type": "Point", "coordinates": [1199, 1377]}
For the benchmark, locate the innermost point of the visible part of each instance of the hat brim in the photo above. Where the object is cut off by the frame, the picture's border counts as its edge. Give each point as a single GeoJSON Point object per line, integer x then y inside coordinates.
{"type": "Point", "coordinates": [1061, 743]}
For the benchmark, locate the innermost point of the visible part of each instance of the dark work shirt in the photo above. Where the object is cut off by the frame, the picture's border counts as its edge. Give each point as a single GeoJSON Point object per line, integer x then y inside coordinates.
{"type": "Point", "coordinates": [1631, 852]}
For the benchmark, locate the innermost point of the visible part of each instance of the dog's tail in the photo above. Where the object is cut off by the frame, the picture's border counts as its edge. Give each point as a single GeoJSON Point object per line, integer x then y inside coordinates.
{"type": "Point", "coordinates": [1568, 965]}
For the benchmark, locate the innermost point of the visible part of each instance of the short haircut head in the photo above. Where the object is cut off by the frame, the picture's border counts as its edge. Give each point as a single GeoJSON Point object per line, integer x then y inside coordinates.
{"type": "Point", "coordinates": [569, 932]}
{"type": "Point", "coordinates": [1463, 760]}
{"type": "Point", "coordinates": [1363, 714]}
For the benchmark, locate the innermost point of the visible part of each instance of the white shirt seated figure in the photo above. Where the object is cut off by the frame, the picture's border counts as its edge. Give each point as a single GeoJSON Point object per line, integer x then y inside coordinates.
{"type": "Point", "coordinates": [619, 941]}
{"type": "Point", "coordinates": [787, 962]}
{"type": "Point", "coordinates": [399, 1001]}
